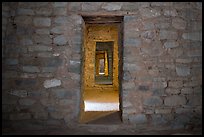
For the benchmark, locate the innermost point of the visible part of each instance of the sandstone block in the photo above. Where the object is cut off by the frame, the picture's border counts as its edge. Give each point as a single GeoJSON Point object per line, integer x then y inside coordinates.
{"type": "Point", "coordinates": [26, 101]}
{"type": "Point", "coordinates": [149, 12]}
{"type": "Point", "coordinates": [11, 61]}
{"type": "Point", "coordinates": [52, 83]}
{"type": "Point", "coordinates": [159, 84]}
{"type": "Point", "coordinates": [52, 62]}
{"type": "Point", "coordinates": [57, 30]}
{"type": "Point", "coordinates": [39, 48]}
{"type": "Point", "coordinates": [60, 11]}
{"type": "Point", "coordinates": [42, 39]}
{"type": "Point", "coordinates": [26, 82]}
{"type": "Point", "coordinates": [175, 84]}
{"type": "Point", "coordinates": [111, 6]}
{"type": "Point", "coordinates": [44, 11]}
{"type": "Point", "coordinates": [137, 119]}
{"type": "Point", "coordinates": [162, 110]}
{"type": "Point", "coordinates": [22, 11]}
{"type": "Point", "coordinates": [175, 100]}
{"type": "Point", "coordinates": [42, 31]}
{"type": "Point", "coordinates": [143, 88]}
{"type": "Point", "coordinates": [42, 22]}
{"type": "Point", "coordinates": [75, 66]}
{"type": "Point", "coordinates": [23, 20]}
{"type": "Point", "coordinates": [168, 34]}
{"type": "Point", "coordinates": [26, 41]}
{"type": "Point", "coordinates": [183, 110]}
{"type": "Point", "coordinates": [48, 69]}
{"type": "Point", "coordinates": [128, 85]}
{"type": "Point", "coordinates": [170, 12]}
{"type": "Point", "coordinates": [60, 40]}
{"type": "Point", "coordinates": [61, 93]}
{"type": "Point", "coordinates": [153, 101]}
{"type": "Point", "coordinates": [182, 70]}
{"type": "Point", "coordinates": [31, 69]}
{"type": "Point", "coordinates": [135, 42]}
{"type": "Point", "coordinates": [61, 20]}
{"type": "Point", "coordinates": [65, 102]}
{"type": "Point", "coordinates": [171, 44]}
{"type": "Point", "coordinates": [91, 6]}
{"type": "Point", "coordinates": [195, 36]}
{"type": "Point", "coordinates": [195, 100]}
{"type": "Point", "coordinates": [129, 6]}
{"type": "Point", "coordinates": [194, 53]}
{"type": "Point", "coordinates": [19, 93]}
{"type": "Point", "coordinates": [172, 91]}
{"type": "Point", "coordinates": [186, 91]}
{"type": "Point", "coordinates": [132, 67]}
{"type": "Point", "coordinates": [74, 6]}
{"type": "Point", "coordinates": [179, 23]}
{"type": "Point", "coordinates": [60, 4]}
{"type": "Point", "coordinates": [157, 119]}
{"type": "Point", "coordinates": [184, 60]}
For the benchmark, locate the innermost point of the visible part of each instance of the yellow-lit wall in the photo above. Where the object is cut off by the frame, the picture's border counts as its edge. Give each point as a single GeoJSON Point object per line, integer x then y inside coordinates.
{"type": "Point", "coordinates": [102, 33]}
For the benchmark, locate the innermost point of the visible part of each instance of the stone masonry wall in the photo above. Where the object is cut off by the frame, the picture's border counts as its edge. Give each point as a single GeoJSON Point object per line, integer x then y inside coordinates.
{"type": "Point", "coordinates": [42, 57]}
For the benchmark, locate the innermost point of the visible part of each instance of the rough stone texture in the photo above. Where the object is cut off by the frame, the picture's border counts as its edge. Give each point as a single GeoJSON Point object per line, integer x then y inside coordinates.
{"type": "Point", "coordinates": [153, 101]}
{"type": "Point", "coordinates": [175, 84]}
{"type": "Point", "coordinates": [197, 36]}
{"type": "Point", "coordinates": [20, 116]}
{"type": "Point", "coordinates": [31, 69]}
{"type": "Point", "coordinates": [162, 110]}
{"type": "Point", "coordinates": [61, 93]}
{"type": "Point", "coordinates": [74, 66]}
{"type": "Point", "coordinates": [112, 6]}
{"type": "Point", "coordinates": [43, 11]}
{"type": "Point", "coordinates": [25, 12]}
{"type": "Point", "coordinates": [11, 61]}
{"type": "Point", "coordinates": [167, 34]}
{"type": "Point", "coordinates": [170, 12]}
{"type": "Point", "coordinates": [161, 72]}
{"type": "Point", "coordinates": [149, 13]}
{"type": "Point", "coordinates": [178, 23]}
{"type": "Point", "coordinates": [133, 42]}
{"type": "Point", "coordinates": [19, 93]}
{"type": "Point", "coordinates": [42, 22]}
{"type": "Point", "coordinates": [182, 71]}
{"type": "Point", "coordinates": [52, 83]}
{"type": "Point", "coordinates": [172, 91]}
{"type": "Point", "coordinates": [41, 115]}
{"type": "Point", "coordinates": [138, 119]}
{"type": "Point", "coordinates": [60, 40]}
{"type": "Point", "coordinates": [186, 91]}
{"type": "Point", "coordinates": [89, 6]}
{"type": "Point", "coordinates": [175, 100]}
{"type": "Point", "coordinates": [26, 102]}
{"type": "Point", "coordinates": [171, 44]}
{"type": "Point", "coordinates": [60, 4]}
{"type": "Point", "coordinates": [194, 100]}
{"type": "Point", "coordinates": [57, 30]}
{"type": "Point", "coordinates": [39, 48]}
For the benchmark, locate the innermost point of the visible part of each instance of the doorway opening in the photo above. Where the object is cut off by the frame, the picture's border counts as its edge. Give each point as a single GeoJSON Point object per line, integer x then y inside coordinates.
{"type": "Point", "coordinates": [101, 70]}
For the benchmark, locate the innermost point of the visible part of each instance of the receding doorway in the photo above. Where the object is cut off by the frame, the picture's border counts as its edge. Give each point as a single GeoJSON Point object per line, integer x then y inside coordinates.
{"type": "Point", "coordinates": [102, 70]}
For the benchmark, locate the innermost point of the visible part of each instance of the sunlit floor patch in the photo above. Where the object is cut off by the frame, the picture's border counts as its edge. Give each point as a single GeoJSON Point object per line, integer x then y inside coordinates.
{"type": "Point", "coordinates": [99, 106]}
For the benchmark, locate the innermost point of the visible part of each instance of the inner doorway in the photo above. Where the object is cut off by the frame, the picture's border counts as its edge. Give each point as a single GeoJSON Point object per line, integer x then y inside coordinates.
{"type": "Point", "coordinates": [101, 68]}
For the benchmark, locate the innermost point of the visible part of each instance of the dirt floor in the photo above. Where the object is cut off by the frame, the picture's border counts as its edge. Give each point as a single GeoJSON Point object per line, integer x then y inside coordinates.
{"type": "Point", "coordinates": [110, 125]}
{"type": "Point", "coordinates": [82, 131]}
